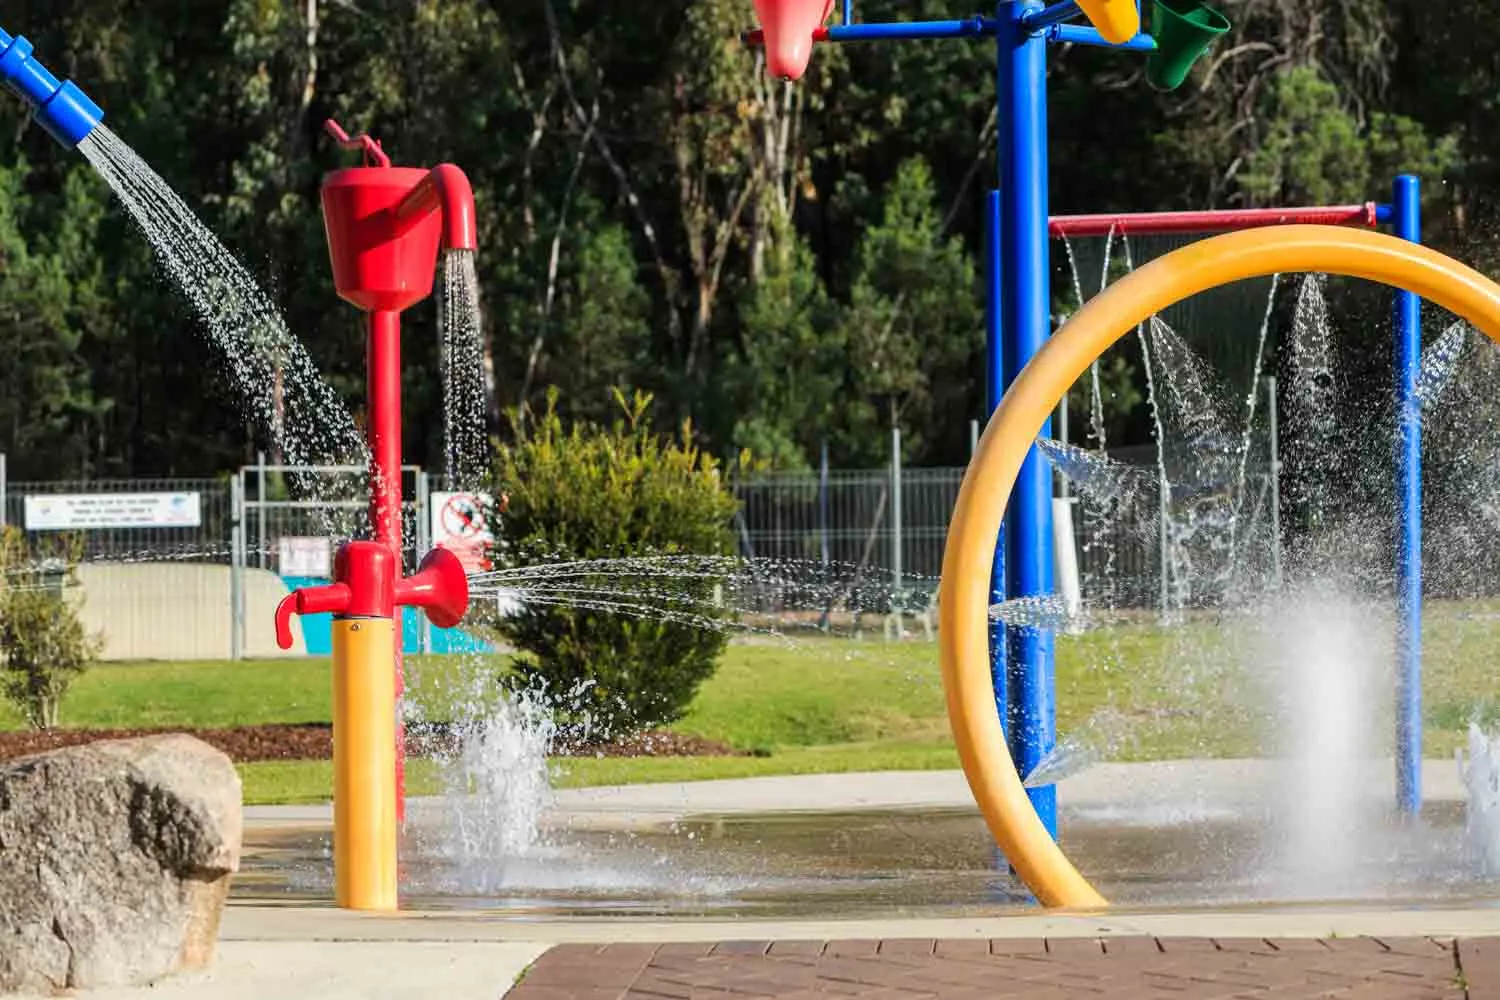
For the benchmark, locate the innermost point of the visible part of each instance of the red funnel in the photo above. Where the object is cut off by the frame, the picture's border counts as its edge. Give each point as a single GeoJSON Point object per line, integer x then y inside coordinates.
{"type": "Point", "coordinates": [440, 588]}
{"type": "Point", "coordinates": [788, 27]}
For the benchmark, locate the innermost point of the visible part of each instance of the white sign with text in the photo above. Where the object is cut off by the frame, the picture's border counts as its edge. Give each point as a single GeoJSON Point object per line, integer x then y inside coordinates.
{"type": "Point", "coordinates": [83, 511]}
{"type": "Point", "coordinates": [304, 556]}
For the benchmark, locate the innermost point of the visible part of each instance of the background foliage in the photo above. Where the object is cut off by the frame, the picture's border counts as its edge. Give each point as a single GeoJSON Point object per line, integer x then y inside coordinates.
{"type": "Point", "coordinates": [780, 264]}
{"type": "Point", "coordinates": [44, 646]}
{"type": "Point", "coordinates": [583, 491]}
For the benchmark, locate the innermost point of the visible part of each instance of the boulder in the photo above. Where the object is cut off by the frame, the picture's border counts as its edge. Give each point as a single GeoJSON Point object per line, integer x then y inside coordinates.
{"type": "Point", "coordinates": [115, 861]}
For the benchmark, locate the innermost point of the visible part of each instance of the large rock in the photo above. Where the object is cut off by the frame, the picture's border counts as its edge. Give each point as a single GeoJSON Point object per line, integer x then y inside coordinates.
{"type": "Point", "coordinates": [115, 860]}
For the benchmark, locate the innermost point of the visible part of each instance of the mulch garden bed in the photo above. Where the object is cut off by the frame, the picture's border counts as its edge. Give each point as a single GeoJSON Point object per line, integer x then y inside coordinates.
{"type": "Point", "coordinates": [315, 742]}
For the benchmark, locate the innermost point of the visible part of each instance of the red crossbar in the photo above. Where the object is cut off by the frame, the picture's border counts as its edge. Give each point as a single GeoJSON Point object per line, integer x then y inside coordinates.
{"type": "Point", "coordinates": [1158, 223]}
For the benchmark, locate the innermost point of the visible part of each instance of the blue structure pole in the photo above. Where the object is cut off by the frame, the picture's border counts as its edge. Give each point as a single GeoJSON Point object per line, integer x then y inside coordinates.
{"type": "Point", "coordinates": [882, 31]}
{"type": "Point", "coordinates": [1406, 217]}
{"type": "Point", "coordinates": [1056, 14]}
{"type": "Point", "coordinates": [995, 388]}
{"type": "Point", "coordinates": [1081, 34]}
{"type": "Point", "coordinates": [59, 106]}
{"type": "Point", "coordinates": [1024, 313]}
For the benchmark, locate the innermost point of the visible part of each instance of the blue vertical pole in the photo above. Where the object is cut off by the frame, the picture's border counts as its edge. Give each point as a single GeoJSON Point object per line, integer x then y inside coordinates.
{"type": "Point", "coordinates": [1407, 220]}
{"type": "Point", "coordinates": [1024, 312]}
{"type": "Point", "coordinates": [994, 389]}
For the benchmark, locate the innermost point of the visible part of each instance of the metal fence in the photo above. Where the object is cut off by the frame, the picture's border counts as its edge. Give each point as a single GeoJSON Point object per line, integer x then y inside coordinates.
{"type": "Point", "coordinates": [206, 541]}
{"type": "Point", "coordinates": [848, 519]}
{"type": "Point", "coordinates": [886, 527]}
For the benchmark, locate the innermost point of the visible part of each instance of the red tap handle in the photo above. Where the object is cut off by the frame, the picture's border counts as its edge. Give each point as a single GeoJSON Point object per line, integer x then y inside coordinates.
{"type": "Point", "coordinates": [284, 612]}
{"type": "Point", "coordinates": [309, 601]}
{"type": "Point", "coordinates": [374, 155]}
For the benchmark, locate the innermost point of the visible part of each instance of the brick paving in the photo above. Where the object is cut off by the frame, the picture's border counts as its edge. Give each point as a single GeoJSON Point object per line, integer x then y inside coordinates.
{"type": "Point", "coordinates": [1117, 968]}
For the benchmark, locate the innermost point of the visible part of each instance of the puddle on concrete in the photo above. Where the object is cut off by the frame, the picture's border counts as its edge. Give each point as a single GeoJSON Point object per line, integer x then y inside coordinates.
{"type": "Point", "coordinates": [887, 864]}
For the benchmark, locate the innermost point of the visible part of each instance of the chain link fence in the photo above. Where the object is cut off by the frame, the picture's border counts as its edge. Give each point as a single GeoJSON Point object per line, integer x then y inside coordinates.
{"type": "Point", "coordinates": [207, 587]}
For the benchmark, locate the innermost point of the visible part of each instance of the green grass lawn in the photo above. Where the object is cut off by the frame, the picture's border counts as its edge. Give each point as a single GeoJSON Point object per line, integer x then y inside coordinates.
{"type": "Point", "coordinates": [818, 705]}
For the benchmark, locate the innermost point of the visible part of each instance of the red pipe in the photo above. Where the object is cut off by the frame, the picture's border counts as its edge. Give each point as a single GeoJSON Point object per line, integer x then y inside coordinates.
{"type": "Point", "coordinates": [383, 392]}
{"type": "Point", "coordinates": [757, 36]}
{"type": "Point", "coordinates": [383, 385]}
{"type": "Point", "coordinates": [444, 189]}
{"type": "Point", "coordinates": [1159, 223]}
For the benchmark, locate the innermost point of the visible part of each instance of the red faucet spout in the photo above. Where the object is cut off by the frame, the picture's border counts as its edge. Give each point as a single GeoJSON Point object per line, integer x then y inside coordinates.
{"type": "Point", "coordinates": [446, 190]}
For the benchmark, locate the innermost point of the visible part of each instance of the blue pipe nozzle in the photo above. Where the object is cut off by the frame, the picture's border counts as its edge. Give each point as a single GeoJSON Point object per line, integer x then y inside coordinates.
{"type": "Point", "coordinates": [59, 107]}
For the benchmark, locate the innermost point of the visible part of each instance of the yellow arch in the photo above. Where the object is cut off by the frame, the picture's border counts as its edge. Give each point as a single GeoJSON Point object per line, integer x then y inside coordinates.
{"type": "Point", "coordinates": [963, 595]}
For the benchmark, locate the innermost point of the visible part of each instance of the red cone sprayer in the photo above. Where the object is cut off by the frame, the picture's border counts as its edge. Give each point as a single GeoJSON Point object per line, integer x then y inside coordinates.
{"type": "Point", "coordinates": [385, 226]}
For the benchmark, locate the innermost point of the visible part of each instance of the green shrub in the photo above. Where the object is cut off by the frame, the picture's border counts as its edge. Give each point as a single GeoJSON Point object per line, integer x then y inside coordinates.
{"type": "Point", "coordinates": [43, 644]}
{"type": "Point", "coordinates": [587, 492]}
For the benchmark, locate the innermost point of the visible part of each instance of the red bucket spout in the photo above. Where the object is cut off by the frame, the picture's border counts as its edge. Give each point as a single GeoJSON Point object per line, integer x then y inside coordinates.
{"type": "Point", "coordinates": [385, 224]}
{"type": "Point", "coordinates": [788, 27]}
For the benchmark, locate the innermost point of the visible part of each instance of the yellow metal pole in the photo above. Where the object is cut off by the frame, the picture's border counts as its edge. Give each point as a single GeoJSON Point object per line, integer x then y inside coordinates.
{"type": "Point", "coordinates": [364, 763]}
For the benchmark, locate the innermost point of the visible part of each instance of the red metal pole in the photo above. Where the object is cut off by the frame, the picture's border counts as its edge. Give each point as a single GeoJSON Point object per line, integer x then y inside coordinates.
{"type": "Point", "coordinates": [1156, 223]}
{"type": "Point", "coordinates": [383, 392]}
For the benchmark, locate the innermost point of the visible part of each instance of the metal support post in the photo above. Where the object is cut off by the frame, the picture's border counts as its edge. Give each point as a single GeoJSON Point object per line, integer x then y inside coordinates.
{"type": "Point", "coordinates": [236, 566]}
{"type": "Point", "coordinates": [1025, 311]}
{"type": "Point", "coordinates": [1407, 222]}
{"type": "Point", "coordinates": [896, 539]}
{"type": "Point", "coordinates": [260, 509]}
{"type": "Point", "coordinates": [823, 501]}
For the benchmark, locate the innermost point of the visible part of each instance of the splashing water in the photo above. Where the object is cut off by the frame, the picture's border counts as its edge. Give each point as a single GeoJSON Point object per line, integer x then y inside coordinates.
{"type": "Point", "coordinates": [1199, 459]}
{"type": "Point", "coordinates": [1312, 447]}
{"type": "Point", "coordinates": [1049, 613]}
{"type": "Point", "coordinates": [1327, 660]}
{"type": "Point", "coordinates": [1440, 361]}
{"type": "Point", "coordinates": [496, 782]}
{"type": "Point", "coordinates": [718, 593]}
{"type": "Point", "coordinates": [1102, 478]}
{"type": "Point", "coordinates": [276, 385]}
{"type": "Point", "coordinates": [1481, 778]}
{"type": "Point", "coordinates": [1100, 738]}
{"type": "Point", "coordinates": [465, 446]}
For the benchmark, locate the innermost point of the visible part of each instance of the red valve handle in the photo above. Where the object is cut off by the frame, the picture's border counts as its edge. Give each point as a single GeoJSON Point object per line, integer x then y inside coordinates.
{"type": "Point", "coordinates": [374, 154]}
{"type": "Point", "coordinates": [309, 601]}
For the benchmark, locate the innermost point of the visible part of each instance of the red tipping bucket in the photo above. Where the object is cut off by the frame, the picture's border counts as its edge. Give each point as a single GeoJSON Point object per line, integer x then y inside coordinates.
{"type": "Point", "coordinates": [788, 27]}
{"type": "Point", "coordinates": [375, 265]}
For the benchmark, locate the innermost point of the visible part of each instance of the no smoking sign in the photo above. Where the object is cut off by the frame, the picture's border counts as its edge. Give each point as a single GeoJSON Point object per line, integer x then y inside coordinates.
{"type": "Point", "coordinates": [460, 525]}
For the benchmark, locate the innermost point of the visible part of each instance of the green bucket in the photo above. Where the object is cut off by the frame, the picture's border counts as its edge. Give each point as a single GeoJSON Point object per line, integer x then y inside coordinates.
{"type": "Point", "coordinates": [1183, 29]}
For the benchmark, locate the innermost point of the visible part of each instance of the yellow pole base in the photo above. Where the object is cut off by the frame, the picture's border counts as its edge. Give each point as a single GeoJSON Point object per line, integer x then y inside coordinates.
{"type": "Point", "coordinates": [364, 764]}
{"type": "Point", "coordinates": [968, 556]}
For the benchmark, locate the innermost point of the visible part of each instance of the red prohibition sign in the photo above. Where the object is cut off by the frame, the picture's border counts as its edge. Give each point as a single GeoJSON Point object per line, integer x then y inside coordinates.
{"type": "Point", "coordinates": [463, 517]}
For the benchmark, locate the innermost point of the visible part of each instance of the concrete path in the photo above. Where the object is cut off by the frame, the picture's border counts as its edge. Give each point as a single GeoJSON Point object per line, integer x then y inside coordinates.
{"type": "Point", "coordinates": [321, 969]}
{"type": "Point", "coordinates": [1209, 782]}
